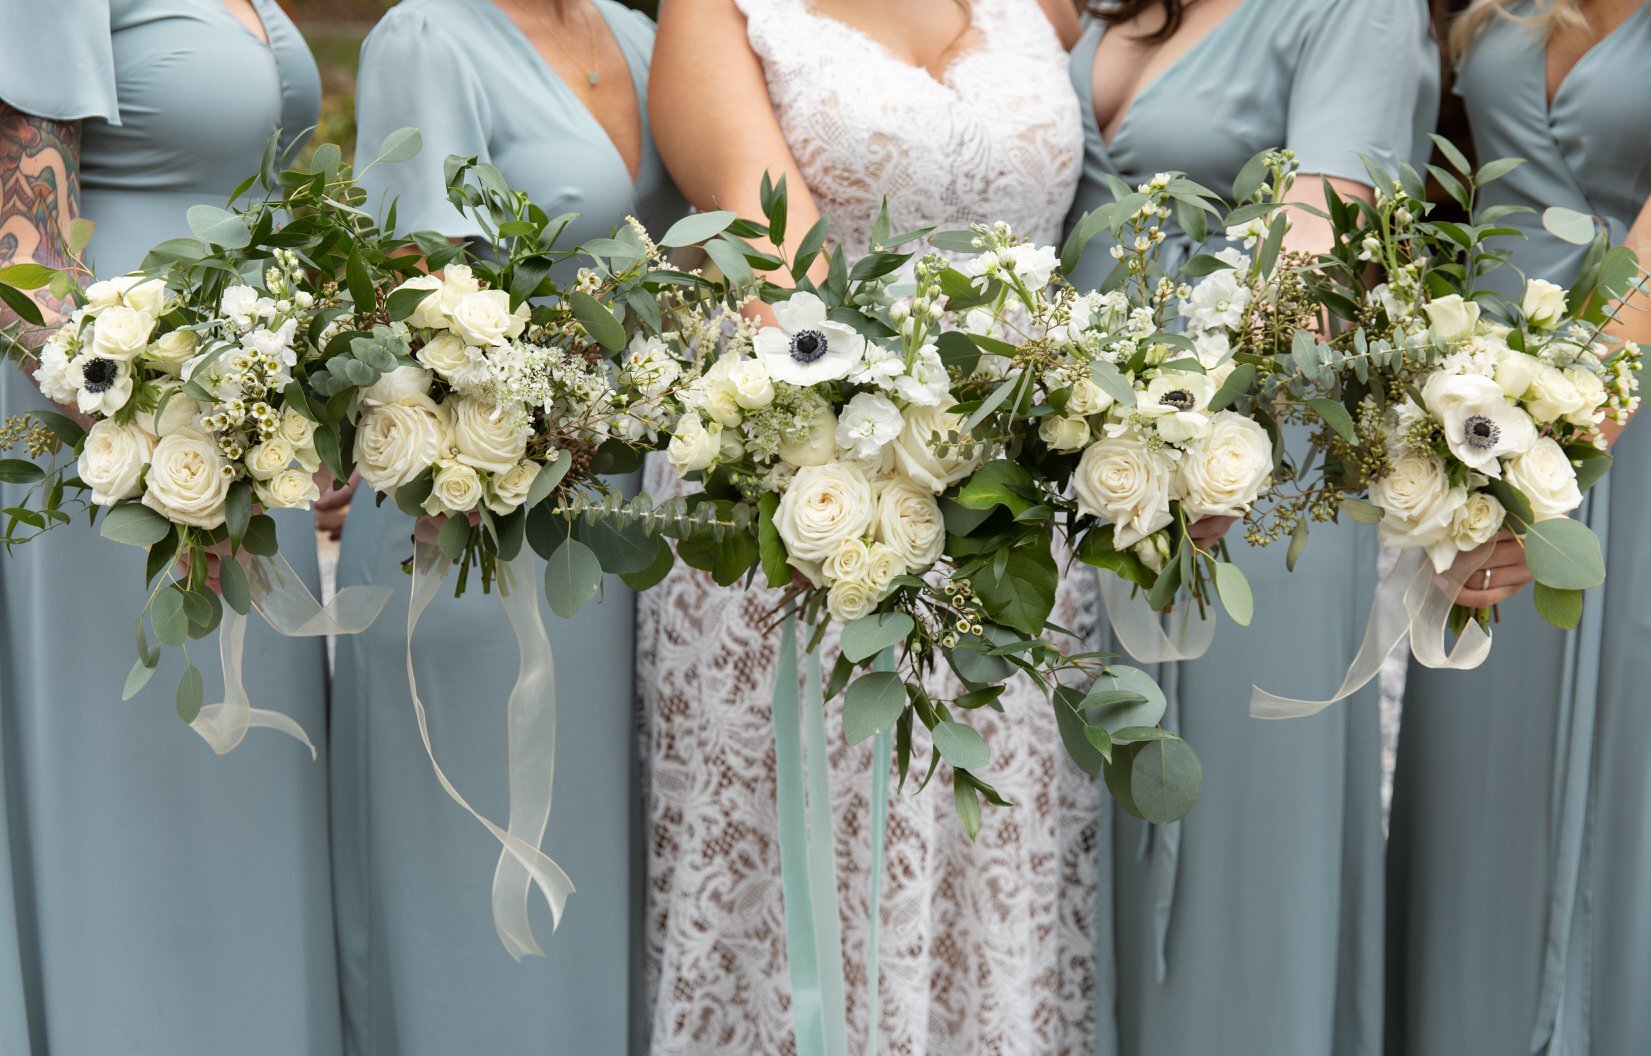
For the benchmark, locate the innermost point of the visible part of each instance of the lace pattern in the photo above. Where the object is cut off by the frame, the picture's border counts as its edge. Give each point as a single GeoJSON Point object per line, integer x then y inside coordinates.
{"type": "Point", "coordinates": [985, 947]}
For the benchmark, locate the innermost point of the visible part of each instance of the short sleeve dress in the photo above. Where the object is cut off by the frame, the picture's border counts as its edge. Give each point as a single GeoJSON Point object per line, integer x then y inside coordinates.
{"type": "Point", "coordinates": [423, 971]}
{"type": "Point", "coordinates": [1255, 924]}
{"type": "Point", "coordinates": [153, 897]}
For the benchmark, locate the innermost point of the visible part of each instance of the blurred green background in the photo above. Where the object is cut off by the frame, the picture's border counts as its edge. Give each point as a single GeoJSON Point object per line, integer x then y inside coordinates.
{"type": "Point", "coordinates": [334, 29]}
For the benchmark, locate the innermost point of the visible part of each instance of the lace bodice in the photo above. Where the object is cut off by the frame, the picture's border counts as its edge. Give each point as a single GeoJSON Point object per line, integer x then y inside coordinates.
{"type": "Point", "coordinates": [996, 137]}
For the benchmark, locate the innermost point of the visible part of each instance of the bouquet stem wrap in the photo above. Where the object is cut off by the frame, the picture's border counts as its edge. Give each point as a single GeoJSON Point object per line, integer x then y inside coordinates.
{"type": "Point", "coordinates": [1141, 631]}
{"type": "Point", "coordinates": [532, 748]}
{"type": "Point", "coordinates": [286, 604]}
{"type": "Point", "coordinates": [1409, 601]}
{"type": "Point", "coordinates": [808, 861]}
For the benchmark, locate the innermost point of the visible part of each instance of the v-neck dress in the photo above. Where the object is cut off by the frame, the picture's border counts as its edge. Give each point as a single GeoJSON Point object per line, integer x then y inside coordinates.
{"type": "Point", "coordinates": [1519, 911]}
{"type": "Point", "coordinates": [1254, 925]}
{"type": "Point", "coordinates": [423, 971]}
{"type": "Point", "coordinates": [154, 898]}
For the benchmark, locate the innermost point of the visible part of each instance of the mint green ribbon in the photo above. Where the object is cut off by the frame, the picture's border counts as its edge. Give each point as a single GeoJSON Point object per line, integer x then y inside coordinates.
{"type": "Point", "coordinates": [808, 862]}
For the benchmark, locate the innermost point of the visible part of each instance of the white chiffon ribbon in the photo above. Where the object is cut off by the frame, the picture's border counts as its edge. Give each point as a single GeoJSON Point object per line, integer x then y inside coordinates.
{"type": "Point", "coordinates": [1410, 600]}
{"type": "Point", "coordinates": [532, 749]}
{"type": "Point", "coordinates": [1141, 630]}
{"type": "Point", "coordinates": [286, 604]}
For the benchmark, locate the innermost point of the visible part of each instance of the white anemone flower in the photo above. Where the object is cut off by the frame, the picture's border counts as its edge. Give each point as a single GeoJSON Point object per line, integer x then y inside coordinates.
{"type": "Point", "coordinates": [1481, 424]}
{"type": "Point", "coordinates": [1178, 404]}
{"type": "Point", "coordinates": [807, 348]}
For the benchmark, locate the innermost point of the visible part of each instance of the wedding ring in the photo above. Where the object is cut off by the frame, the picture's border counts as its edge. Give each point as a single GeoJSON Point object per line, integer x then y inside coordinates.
{"type": "Point", "coordinates": [1485, 583]}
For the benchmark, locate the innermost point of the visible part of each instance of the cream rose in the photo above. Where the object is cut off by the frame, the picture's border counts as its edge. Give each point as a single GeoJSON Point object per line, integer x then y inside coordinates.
{"type": "Point", "coordinates": [172, 350]}
{"type": "Point", "coordinates": [290, 489]}
{"type": "Point", "coordinates": [429, 314]}
{"type": "Point", "coordinates": [134, 291]}
{"type": "Point", "coordinates": [1475, 524]}
{"type": "Point", "coordinates": [1417, 499]}
{"type": "Point", "coordinates": [402, 385]}
{"type": "Point", "coordinates": [824, 506]}
{"type": "Point", "coordinates": [694, 444]}
{"type": "Point", "coordinates": [1545, 476]}
{"type": "Point", "coordinates": [1223, 475]}
{"type": "Point", "coordinates": [850, 599]}
{"type": "Point", "coordinates": [485, 318]}
{"type": "Point", "coordinates": [455, 491]}
{"type": "Point", "coordinates": [188, 480]}
{"type": "Point", "coordinates": [849, 562]}
{"type": "Point", "coordinates": [396, 442]}
{"type": "Point", "coordinates": [1452, 317]}
{"type": "Point", "coordinates": [112, 460]}
{"type": "Point", "coordinates": [882, 565]}
{"type": "Point", "coordinates": [1515, 371]}
{"type": "Point", "coordinates": [915, 456]}
{"type": "Point", "coordinates": [445, 354]}
{"type": "Point", "coordinates": [1062, 433]}
{"type": "Point", "coordinates": [1544, 304]}
{"type": "Point", "coordinates": [484, 436]}
{"type": "Point", "coordinates": [715, 396]}
{"type": "Point", "coordinates": [819, 446]}
{"type": "Point", "coordinates": [507, 491]}
{"type": "Point", "coordinates": [1122, 480]}
{"type": "Point", "coordinates": [269, 458]}
{"type": "Point", "coordinates": [121, 333]}
{"type": "Point", "coordinates": [909, 522]}
{"type": "Point", "coordinates": [295, 429]}
{"type": "Point", "coordinates": [1552, 395]}
{"type": "Point", "coordinates": [752, 384]}
{"type": "Point", "coordinates": [179, 414]}
{"type": "Point", "coordinates": [1591, 390]}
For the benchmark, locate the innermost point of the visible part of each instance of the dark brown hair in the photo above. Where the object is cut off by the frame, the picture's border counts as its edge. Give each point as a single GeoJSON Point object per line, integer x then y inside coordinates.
{"type": "Point", "coordinates": [1127, 10]}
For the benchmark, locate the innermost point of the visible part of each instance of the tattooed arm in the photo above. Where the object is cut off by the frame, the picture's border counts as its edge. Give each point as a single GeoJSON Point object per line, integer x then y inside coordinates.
{"type": "Point", "coordinates": [39, 197]}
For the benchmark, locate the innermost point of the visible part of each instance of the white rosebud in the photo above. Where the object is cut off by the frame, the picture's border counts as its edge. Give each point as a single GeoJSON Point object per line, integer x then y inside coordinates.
{"type": "Point", "coordinates": [1544, 304]}
{"type": "Point", "coordinates": [695, 444]}
{"type": "Point", "coordinates": [172, 350]}
{"type": "Point", "coordinates": [910, 524]}
{"type": "Point", "coordinates": [507, 491]}
{"type": "Point", "coordinates": [752, 385]}
{"type": "Point", "coordinates": [1591, 390]}
{"type": "Point", "coordinates": [267, 459]}
{"type": "Point", "coordinates": [1087, 398]}
{"type": "Point", "coordinates": [290, 489]}
{"type": "Point", "coordinates": [1062, 433]}
{"type": "Point", "coordinates": [455, 490]}
{"type": "Point", "coordinates": [1452, 317]}
{"type": "Point", "coordinates": [484, 318]}
{"type": "Point", "coordinates": [1552, 395]}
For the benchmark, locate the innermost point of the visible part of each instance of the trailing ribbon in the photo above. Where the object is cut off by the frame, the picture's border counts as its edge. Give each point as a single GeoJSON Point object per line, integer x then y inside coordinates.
{"type": "Point", "coordinates": [1409, 600]}
{"type": "Point", "coordinates": [532, 748]}
{"type": "Point", "coordinates": [286, 604]}
{"type": "Point", "coordinates": [1140, 629]}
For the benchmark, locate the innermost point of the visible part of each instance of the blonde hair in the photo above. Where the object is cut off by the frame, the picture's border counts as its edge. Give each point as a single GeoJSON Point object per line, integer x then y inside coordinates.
{"type": "Point", "coordinates": [1551, 16]}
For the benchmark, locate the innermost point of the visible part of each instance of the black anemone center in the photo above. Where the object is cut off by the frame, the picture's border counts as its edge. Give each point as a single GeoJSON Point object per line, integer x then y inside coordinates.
{"type": "Point", "coordinates": [1481, 432]}
{"type": "Point", "coordinates": [1180, 399]}
{"type": "Point", "coordinates": [99, 374]}
{"type": "Point", "coordinates": [808, 345]}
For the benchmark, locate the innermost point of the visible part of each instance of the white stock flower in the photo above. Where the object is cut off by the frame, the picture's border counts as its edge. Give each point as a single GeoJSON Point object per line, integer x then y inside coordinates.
{"type": "Point", "coordinates": [1479, 423]}
{"type": "Point", "coordinates": [927, 383]}
{"type": "Point", "coordinates": [188, 480]}
{"type": "Point", "coordinates": [276, 344]}
{"type": "Point", "coordinates": [402, 385]}
{"type": "Point", "coordinates": [1544, 304]}
{"type": "Point", "coordinates": [1035, 265]}
{"type": "Point", "coordinates": [807, 348]}
{"type": "Point", "coordinates": [112, 460]}
{"type": "Point", "coordinates": [484, 436]}
{"type": "Point", "coordinates": [1417, 500]}
{"type": "Point", "coordinates": [172, 350]}
{"type": "Point", "coordinates": [238, 304]}
{"type": "Point", "coordinates": [1122, 480]}
{"type": "Point", "coordinates": [484, 318]}
{"type": "Point", "coordinates": [455, 490]}
{"type": "Point", "coordinates": [1552, 395]}
{"type": "Point", "coordinates": [752, 384]}
{"type": "Point", "coordinates": [909, 522]}
{"type": "Point", "coordinates": [1224, 474]}
{"type": "Point", "coordinates": [1063, 433]}
{"type": "Point", "coordinates": [267, 459]}
{"type": "Point", "coordinates": [1545, 475]}
{"type": "Point", "coordinates": [1452, 317]}
{"type": "Point", "coordinates": [121, 333]}
{"type": "Point", "coordinates": [1177, 403]}
{"type": "Point", "coordinates": [650, 367]}
{"type": "Point", "coordinates": [507, 491]}
{"type": "Point", "coordinates": [290, 489]}
{"type": "Point", "coordinates": [54, 374]}
{"type": "Point", "coordinates": [823, 507]}
{"type": "Point", "coordinates": [396, 442]}
{"type": "Point", "coordinates": [694, 444]}
{"type": "Point", "coordinates": [1218, 302]}
{"type": "Point", "coordinates": [867, 425]}
{"type": "Point", "coordinates": [916, 457]}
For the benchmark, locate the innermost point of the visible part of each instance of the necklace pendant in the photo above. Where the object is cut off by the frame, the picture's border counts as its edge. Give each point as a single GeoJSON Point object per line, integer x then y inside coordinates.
{"type": "Point", "coordinates": [593, 76]}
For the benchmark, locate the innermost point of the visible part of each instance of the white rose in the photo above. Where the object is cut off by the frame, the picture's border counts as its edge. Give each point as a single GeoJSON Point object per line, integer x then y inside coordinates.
{"type": "Point", "coordinates": [402, 385]}
{"type": "Point", "coordinates": [455, 491]}
{"type": "Point", "coordinates": [458, 281]}
{"type": "Point", "coordinates": [1545, 475]}
{"type": "Point", "coordinates": [850, 599]}
{"type": "Point", "coordinates": [1225, 473]}
{"type": "Point", "coordinates": [1062, 433]}
{"type": "Point", "coordinates": [121, 333]}
{"type": "Point", "coordinates": [290, 489]}
{"type": "Point", "coordinates": [823, 507]}
{"type": "Point", "coordinates": [753, 386]}
{"type": "Point", "coordinates": [112, 460]}
{"type": "Point", "coordinates": [269, 458]}
{"type": "Point", "coordinates": [396, 442]}
{"type": "Point", "coordinates": [180, 413]}
{"type": "Point", "coordinates": [1122, 480]}
{"type": "Point", "coordinates": [134, 291]}
{"type": "Point", "coordinates": [485, 318]}
{"type": "Point", "coordinates": [868, 424]}
{"type": "Point", "coordinates": [1417, 499]}
{"type": "Point", "coordinates": [909, 523]}
{"type": "Point", "coordinates": [445, 354]}
{"type": "Point", "coordinates": [882, 565]}
{"type": "Point", "coordinates": [849, 562]}
{"type": "Point", "coordinates": [1544, 304]}
{"type": "Point", "coordinates": [1552, 395]}
{"type": "Point", "coordinates": [172, 350]}
{"type": "Point", "coordinates": [485, 437]}
{"type": "Point", "coordinates": [1087, 398]}
{"type": "Point", "coordinates": [1476, 523]}
{"type": "Point", "coordinates": [295, 429]}
{"type": "Point", "coordinates": [188, 480]}
{"type": "Point", "coordinates": [713, 394]}
{"type": "Point", "coordinates": [1591, 390]}
{"type": "Point", "coordinates": [1452, 317]}
{"type": "Point", "coordinates": [694, 444]}
{"type": "Point", "coordinates": [507, 491]}
{"type": "Point", "coordinates": [429, 314]}
{"type": "Point", "coordinates": [819, 445]}
{"type": "Point", "coordinates": [915, 456]}
{"type": "Point", "coordinates": [1515, 371]}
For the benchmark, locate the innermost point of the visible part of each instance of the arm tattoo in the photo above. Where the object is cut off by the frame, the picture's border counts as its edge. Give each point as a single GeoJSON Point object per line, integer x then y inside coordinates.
{"type": "Point", "coordinates": [39, 195]}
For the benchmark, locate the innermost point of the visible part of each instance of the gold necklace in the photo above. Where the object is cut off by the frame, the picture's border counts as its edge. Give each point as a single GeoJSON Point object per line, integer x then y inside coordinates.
{"type": "Point", "coordinates": [592, 75]}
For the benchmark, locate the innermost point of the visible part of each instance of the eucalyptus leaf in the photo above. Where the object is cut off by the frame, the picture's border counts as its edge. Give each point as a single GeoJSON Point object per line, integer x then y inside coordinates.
{"type": "Point", "coordinates": [869, 635]}
{"type": "Point", "coordinates": [1165, 781]}
{"type": "Point", "coordinates": [1561, 608]}
{"type": "Point", "coordinates": [190, 694]}
{"type": "Point", "coordinates": [134, 524]}
{"type": "Point", "coordinates": [697, 228]}
{"type": "Point", "coordinates": [573, 575]}
{"type": "Point", "coordinates": [1144, 706]}
{"type": "Point", "coordinates": [1564, 554]}
{"type": "Point", "coordinates": [1235, 593]}
{"type": "Point", "coordinates": [220, 227]}
{"type": "Point", "coordinates": [168, 618]}
{"type": "Point", "coordinates": [400, 145]}
{"type": "Point", "coordinates": [961, 746]}
{"type": "Point", "coordinates": [871, 704]}
{"type": "Point", "coordinates": [1568, 225]}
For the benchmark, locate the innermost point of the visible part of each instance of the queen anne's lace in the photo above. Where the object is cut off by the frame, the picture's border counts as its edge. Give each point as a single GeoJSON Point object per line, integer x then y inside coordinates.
{"type": "Point", "coordinates": [987, 947]}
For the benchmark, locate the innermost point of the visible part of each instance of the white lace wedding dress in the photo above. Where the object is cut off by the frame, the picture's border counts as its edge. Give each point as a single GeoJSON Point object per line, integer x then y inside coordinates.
{"type": "Point", "coordinates": [986, 947]}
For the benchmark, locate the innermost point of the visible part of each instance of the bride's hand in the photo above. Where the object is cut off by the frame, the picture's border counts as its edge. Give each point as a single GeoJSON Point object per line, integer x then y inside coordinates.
{"type": "Point", "coordinates": [428, 529]}
{"type": "Point", "coordinates": [1207, 531]}
{"type": "Point", "coordinates": [215, 555]}
{"type": "Point", "coordinates": [1497, 579]}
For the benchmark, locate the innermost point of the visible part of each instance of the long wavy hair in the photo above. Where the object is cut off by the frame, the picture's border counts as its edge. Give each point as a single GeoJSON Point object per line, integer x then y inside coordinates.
{"type": "Point", "coordinates": [1550, 16]}
{"type": "Point", "coordinates": [1113, 12]}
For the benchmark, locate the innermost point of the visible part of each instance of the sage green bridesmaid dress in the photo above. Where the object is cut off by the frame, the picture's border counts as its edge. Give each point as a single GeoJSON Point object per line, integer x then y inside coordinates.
{"type": "Point", "coordinates": [423, 971]}
{"type": "Point", "coordinates": [154, 898]}
{"type": "Point", "coordinates": [1519, 877]}
{"type": "Point", "coordinates": [1254, 926]}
